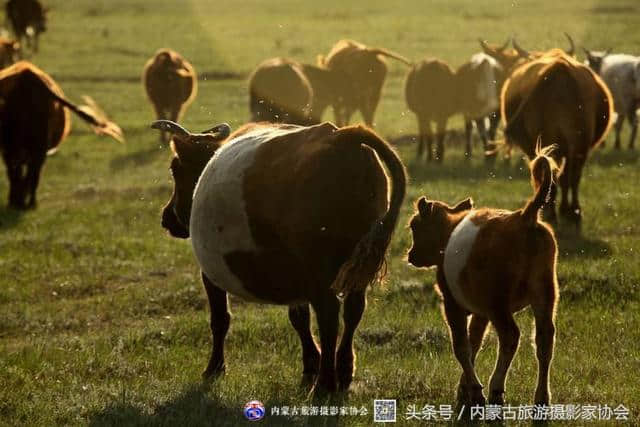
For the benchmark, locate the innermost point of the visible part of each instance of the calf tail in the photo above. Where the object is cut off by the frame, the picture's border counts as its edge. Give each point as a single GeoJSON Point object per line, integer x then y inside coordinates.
{"type": "Point", "coordinates": [368, 257]}
{"type": "Point", "coordinates": [543, 172]}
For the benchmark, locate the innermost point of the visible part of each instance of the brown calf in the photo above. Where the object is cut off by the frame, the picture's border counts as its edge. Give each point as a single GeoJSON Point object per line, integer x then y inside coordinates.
{"type": "Point", "coordinates": [171, 85]}
{"type": "Point", "coordinates": [290, 215]}
{"type": "Point", "coordinates": [490, 264]}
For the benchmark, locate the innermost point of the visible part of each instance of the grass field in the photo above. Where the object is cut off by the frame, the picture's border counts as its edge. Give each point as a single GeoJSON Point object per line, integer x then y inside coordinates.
{"type": "Point", "coordinates": [103, 319]}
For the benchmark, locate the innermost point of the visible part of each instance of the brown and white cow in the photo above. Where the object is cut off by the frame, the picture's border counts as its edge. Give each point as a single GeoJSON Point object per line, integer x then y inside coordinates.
{"type": "Point", "coordinates": [492, 263]}
{"type": "Point", "coordinates": [283, 214]}
{"type": "Point", "coordinates": [431, 93]}
{"type": "Point", "coordinates": [564, 102]}
{"type": "Point", "coordinates": [28, 19]}
{"type": "Point", "coordinates": [34, 121]}
{"type": "Point", "coordinates": [280, 92]}
{"type": "Point", "coordinates": [171, 84]}
{"type": "Point", "coordinates": [362, 70]}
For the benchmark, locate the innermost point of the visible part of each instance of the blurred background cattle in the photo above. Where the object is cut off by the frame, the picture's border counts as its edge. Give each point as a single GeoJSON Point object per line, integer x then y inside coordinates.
{"type": "Point", "coordinates": [27, 19]}
{"type": "Point", "coordinates": [171, 85]}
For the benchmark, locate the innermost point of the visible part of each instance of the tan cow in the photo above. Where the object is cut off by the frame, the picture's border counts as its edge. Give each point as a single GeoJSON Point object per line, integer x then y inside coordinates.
{"type": "Point", "coordinates": [565, 103]}
{"type": "Point", "coordinates": [291, 215]}
{"type": "Point", "coordinates": [33, 121]}
{"type": "Point", "coordinates": [362, 71]}
{"type": "Point", "coordinates": [171, 85]}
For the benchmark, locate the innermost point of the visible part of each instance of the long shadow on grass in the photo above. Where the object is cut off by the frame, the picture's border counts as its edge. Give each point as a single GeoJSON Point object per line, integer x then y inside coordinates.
{"type": "Point", "coordinates": [137, 158]}
{"type": "Point", "coordinates": [9, 217]}
{"type": "Point", "coordinates": [574, 245]}
{"type": "Point", "coordinates": [198, 406]}
{"type": "Point", "coordinates": [612, 157]}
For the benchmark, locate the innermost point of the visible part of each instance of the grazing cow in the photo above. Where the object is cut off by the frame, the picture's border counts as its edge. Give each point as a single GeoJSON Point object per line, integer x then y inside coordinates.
{"type": "Point", "coordinates": [565, 103]}
{"type": "Point", "coordinates": [291, 215]}
{"type": "Point", "coordinates": [430, 90]}
{"type": "Point", "coordinates": [27, 19]}
{"type": "Point", "coordinates": [171, 85]}
{"type": "Point", "coordinates": [621, 73]}
{"type": "Point", "coordinates": [362, 71]}
{"type": "Point", "coordinates": [34, 121]}
{"type": "Point", "coordinates": [492, 263]}
{"type": "Point", "coordinates": [478, 84]}
{"type": "Point", "coordinates": [9, 51]}
{"type": "Point", "coordinates": [279, 92]}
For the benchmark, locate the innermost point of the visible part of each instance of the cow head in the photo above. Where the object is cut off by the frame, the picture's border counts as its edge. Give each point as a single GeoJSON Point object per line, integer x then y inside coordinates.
{"type": "Point", "coordinates": [430, 228]}
{"type": "Point", "coordinates": [192, 152]}
{"type": "Point", "coordinates": [507, 57]}
{"type": "Point", "coordinates": [595, 58]}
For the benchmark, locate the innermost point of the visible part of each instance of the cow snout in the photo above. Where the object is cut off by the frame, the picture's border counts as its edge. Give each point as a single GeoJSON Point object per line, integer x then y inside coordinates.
{"type": "Point", "coordinates": [172, 225]}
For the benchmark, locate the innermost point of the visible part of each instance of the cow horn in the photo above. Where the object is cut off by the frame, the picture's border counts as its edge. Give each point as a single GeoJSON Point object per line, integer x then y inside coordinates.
{"type": "Point", "coordinates": [521, 52]}
{"type": "Point", "coordinates": [171, 127]}
{"type": "Point", "coordinates": [223, 130]}
{"type": "Point", "coordinates": [572, 48]}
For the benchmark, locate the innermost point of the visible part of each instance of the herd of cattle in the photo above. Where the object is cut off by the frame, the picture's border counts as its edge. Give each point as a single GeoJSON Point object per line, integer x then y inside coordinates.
{"type": "Point", "coordinates": [260, 203]}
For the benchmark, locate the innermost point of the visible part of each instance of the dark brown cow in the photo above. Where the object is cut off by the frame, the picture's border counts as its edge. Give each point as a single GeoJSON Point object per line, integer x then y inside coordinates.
{"type": "Point", "coordinates": [28, 19]}
{"type": "Point", "coordinates": [279, 92]}
{"type": "Point", "coordinates": [362, 71]}
{"type": "Point", "coordinates": [34, 121]}
{"type": "Point", "coordinates": [565, 103]}
{"type": "Point", "coordinates": [171, 85]}
{"type": "Point", "coordinates": [431, 93]}
{"type": "Point", "coordinates": [289, 215]}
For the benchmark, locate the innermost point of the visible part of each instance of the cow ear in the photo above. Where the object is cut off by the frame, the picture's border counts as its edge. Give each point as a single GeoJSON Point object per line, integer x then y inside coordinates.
{"type": "Point", "coordinates": [464, 205]}
{"type": "Point", "coordinates": [424, 208]}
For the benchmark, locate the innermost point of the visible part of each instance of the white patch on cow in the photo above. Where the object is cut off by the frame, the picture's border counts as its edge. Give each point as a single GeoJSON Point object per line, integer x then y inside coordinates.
{"type": "Point", "coordinates": [456, 255]}
{"type": "Point", "coordinates": [487, 90]}
{"type": "Point", "coordinates": [621, 73]}
{"type": "Point", "coordinates": [219, 223]}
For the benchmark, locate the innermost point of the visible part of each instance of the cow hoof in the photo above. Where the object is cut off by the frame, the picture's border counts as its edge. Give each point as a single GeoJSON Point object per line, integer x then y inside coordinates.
{"type": "Point", "coordinates": [496, 398]}
{"type": "Point", "coordinates": [210, 374]}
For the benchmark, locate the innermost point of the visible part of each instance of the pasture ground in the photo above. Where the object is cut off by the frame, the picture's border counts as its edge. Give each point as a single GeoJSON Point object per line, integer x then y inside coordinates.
{"type": "Point", "coordinates": [103, 319]}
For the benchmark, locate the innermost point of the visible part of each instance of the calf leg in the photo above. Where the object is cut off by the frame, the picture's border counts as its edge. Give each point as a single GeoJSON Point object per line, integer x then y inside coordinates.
{"type": "Point", "coordinates": [220, 319]}
{"type": "Point", "coordinates": [477, 329]}
{"type": "Point", "coordinates": [543, 310]}
{"type": "Point", "coordinates": [441, 131]}
{"type": "Point", "coordinates": [633, 120]}
{"type": "Point", "coordinates": [327, 309]}
{"type": "Point", "coordinates": [300, 319]}
{"type": "Point", "coordinates": [508, 337]}
{"type": "Point", "coordinates": [353, 308]}
{"type": "Point", "coordinates": [457, 321]}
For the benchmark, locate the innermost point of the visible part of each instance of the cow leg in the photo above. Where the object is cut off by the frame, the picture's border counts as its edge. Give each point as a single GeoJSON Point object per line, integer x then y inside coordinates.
{"type": "Point", "coordinates": [368, 109]}
{"type": "Point", "coordinates": [299, 317]}
{"type": "Point", "coordinates": [425, 138]}
{"type": "Point", "coordinates": [457, 321]}
{"type": "Point", "coordinates": [353, 308]}
{"type": "Point", "coordinates": [220, 319]}
{"type": "Point", "coordinates": [441, 131]}
{"type": "Point", "coordinates": [482, 130]}
{"type": "Point", "coordinates": [327, 308]}
{"type": "Point", "coordinates": [32, 179]}
{"type": "Point", "coordinates": [575, 213]}
{"type": "Point", "coordinates": [17, 190]}
{"type": "Point", "coordinates": [494, 122]}
{"type": "Point", "coordinates": [468, 128]}
{"type": "Point", "coordinates": [618, 128]}
{"type": "Point", "coordinates": [633, 121]}
{"type": "Point", "coordinates": [477, 329]}
{"type": "Point", "coordinates": [508, 338]}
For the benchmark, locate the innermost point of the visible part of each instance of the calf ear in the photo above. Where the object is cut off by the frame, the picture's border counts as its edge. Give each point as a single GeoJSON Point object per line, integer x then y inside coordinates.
{"type": "Point", "coordinates": [424, 208]}
{"type": "Point", "coordinates": [464, 205]}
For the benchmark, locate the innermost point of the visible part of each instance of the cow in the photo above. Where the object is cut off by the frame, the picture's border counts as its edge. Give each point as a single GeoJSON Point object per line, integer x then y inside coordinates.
{"type": "Point", "coordinates": [621, 73]}
{"type": "Point", "coordinates": [279, 91]}
{"type": "Point", "coordinates": [430, 89]}
{"type": "Point", "coordinates": [27, 19]}
{"type": "Point", "coordinates": [290, 215]}
{"type": "Point", "coordinates": [565, 103]}
{"type": "Point", "coordinates": [9, 51]}
{"type": "Point", "coordinates": [171, 84]}
{"type": "Point", "coordinates": [327, 89]}
{"type": "Point", "coordinates": [362, 70]}
{"type": "Point", "coordinates": [478, 91]}
{"type": "Point", "coordinates": [33, 122]}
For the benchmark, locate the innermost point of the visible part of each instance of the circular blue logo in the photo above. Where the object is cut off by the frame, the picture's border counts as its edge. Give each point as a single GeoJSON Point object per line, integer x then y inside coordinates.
{"type": "Point", "coordinates": [254, 410]}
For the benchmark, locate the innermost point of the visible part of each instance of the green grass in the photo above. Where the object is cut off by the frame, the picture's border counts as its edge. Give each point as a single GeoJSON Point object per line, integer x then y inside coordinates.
{"type": "Point", "coordinates": [103, 319]}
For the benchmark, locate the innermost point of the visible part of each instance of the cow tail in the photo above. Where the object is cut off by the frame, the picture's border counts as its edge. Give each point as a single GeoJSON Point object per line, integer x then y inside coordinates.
{"type": "Point", "coordinates": [367, 260]}
{"type": "Point", "coordinates": [390, 54]}
{"type": "Point", "coordinates": [543, 169]}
